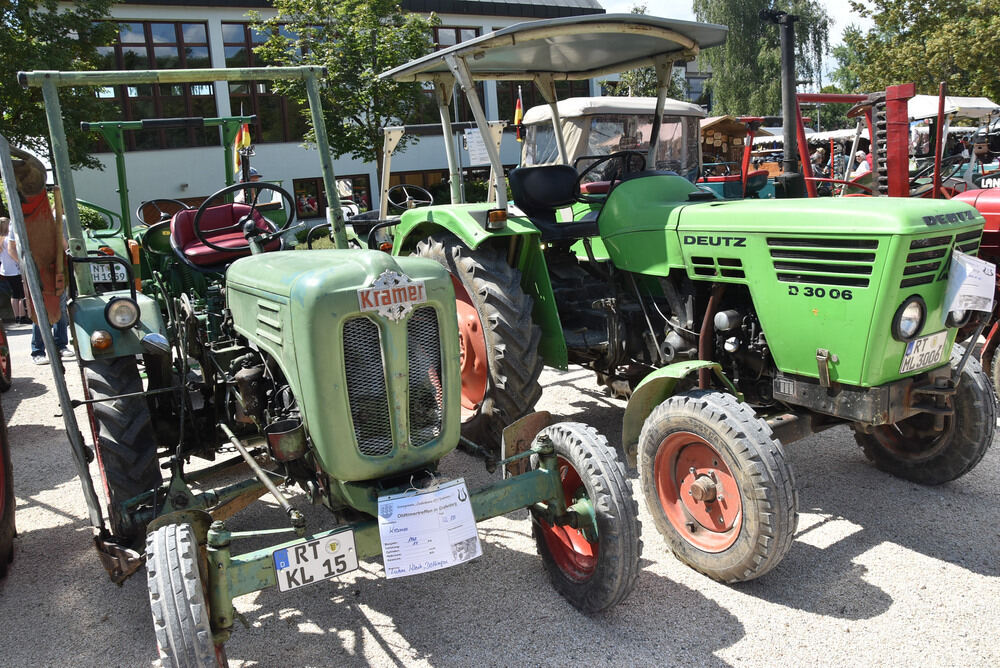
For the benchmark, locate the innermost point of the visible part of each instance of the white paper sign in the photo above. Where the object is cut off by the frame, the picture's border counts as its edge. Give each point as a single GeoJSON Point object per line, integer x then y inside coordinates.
{"type": "Point", "coordinates": [427, 531]}
{"type": "Point", "coordinates": [477, 147]}
{"type": "Point", "coordinates": [971, 284]}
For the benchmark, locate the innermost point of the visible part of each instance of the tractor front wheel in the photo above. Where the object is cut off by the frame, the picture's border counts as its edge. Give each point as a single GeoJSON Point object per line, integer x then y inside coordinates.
{"type": "Point", "coordinates": [177, 599]}
{"type": "Point", "coordinates": [913, 449]}
{"type": "Point", "coordinates": [6, 377]}
{"type": "Point", "coordinates": [123, 432]}
{"type": "Point", "coordinates": [717, 485]}
{"type": "Point", "coordinates": [498, 339]}
{"type": "Point", "coordinates": [593, 572]}
{"type": "Point", "coordinates": [7, 528]}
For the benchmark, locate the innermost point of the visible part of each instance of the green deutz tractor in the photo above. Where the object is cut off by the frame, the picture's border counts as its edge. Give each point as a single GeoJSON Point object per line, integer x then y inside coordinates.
{"type": "Point", "coordinates": [335, 371]}
{"type": "Point", "coordinates": [735, 327]}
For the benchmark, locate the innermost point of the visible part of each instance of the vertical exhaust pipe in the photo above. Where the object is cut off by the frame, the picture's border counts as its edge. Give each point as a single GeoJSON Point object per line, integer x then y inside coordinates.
{"type": "Point", "coordinates": [791, 182]}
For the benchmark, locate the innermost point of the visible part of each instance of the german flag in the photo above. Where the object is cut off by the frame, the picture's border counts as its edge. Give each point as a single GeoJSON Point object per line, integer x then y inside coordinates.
{"type": "Point", "coordinates": [518, 115]}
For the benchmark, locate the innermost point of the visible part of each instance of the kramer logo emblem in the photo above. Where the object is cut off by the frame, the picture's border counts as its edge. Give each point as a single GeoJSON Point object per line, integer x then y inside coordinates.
{"type": "Point", "coordinates": [392, 295]}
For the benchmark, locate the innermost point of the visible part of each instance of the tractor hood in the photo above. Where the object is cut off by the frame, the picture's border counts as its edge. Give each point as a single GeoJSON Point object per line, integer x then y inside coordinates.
{"type": "Point", "coordinates": [836, 215]}
{"type": "Point", "coordinates": [369, 345]}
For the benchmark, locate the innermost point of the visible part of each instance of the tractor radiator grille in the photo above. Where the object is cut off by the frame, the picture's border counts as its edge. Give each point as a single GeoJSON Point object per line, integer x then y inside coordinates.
{"type": "Point", "coordinates": [727, 267]}
{"type": "Point", "coordinates": [927, 255]}
{"type": "Point", "coordinates": [424, 355]}
{"type": "Point", "coordinates": [366, 391]}
{"type": "Point", "coordinates": [816, 261]}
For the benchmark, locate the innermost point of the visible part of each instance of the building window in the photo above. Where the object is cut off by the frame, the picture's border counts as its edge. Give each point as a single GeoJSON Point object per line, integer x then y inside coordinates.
{"type": "Point", "coordinates": [507, 95]}
{"type": "Point", "coordinates": [157, 45]}
{"type": "Point", "coordinates": [445, 36]}
{"type": "Point", "coordinates": [310, 195]}
{"type": "Point", "coordinates": [278, 118]}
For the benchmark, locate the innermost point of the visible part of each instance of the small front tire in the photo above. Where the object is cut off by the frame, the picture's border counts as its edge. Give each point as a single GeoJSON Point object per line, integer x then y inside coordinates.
{"type": "Point", "coordinates": [912, 450]}
{"type": "Point", "coordinates": [593, 575]}
{"type": "Point", "coordinates": [177, 599]}
{"type": "Point", "coordinates": [7, 528]}
{"type": "Point", "coordinates": [717, 485]}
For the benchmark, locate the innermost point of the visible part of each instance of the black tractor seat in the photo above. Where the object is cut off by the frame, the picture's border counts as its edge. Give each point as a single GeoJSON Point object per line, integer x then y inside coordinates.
{"type": "Point", "coordinates": [540, 191]}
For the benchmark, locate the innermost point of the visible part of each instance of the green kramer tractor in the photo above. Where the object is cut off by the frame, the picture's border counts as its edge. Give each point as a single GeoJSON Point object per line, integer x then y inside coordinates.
{"type": "Point", "coordinates": [735, 327]}
{"type": "Point", "coordinates": [332, 371]}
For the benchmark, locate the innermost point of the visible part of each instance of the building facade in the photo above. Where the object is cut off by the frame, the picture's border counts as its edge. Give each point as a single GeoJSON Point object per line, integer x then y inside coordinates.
{"type": "Point", "coordinates": [186, 34]}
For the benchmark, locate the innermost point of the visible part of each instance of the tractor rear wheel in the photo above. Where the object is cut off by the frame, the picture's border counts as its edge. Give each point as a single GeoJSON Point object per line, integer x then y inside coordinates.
{"type": "Point", "coordinates": [177, 600]}
{"type": "Point", "coordinates": [717, 485]}
{"type": "Point", "coordinates": [499, 341]}
{"type": "Point", "coordinates": [592, 573]}
{"type": "Point", "coordinates": [123, 433]}
{"type": "Point", "coordinates": [5, 367]}
{"type": "Point", "coordinates": [913, 450]}
{"type": "Point", "coordinates": [7, 503]}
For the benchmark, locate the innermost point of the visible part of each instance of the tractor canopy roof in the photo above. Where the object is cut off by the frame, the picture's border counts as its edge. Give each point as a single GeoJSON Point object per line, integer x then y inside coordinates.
{"type": "Point", "coordinates": [574, 107]}
{"type": "Point", "coordinates": [570, 48]}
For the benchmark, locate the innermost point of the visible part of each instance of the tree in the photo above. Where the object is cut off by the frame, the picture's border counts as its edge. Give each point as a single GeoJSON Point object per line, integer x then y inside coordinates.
{"type": "Point", "coordinates": [929, 41]}
{"type": "Point", "coordinates": [35, 36]}
{"type": "Point", "coordinates": [847, 75]}
{"type": "Point", "coordinates": [746, 70]}
{"type": "Point", "coordinates": [355, 40]}
{"type": "Point", "coordinates": [642, 82]}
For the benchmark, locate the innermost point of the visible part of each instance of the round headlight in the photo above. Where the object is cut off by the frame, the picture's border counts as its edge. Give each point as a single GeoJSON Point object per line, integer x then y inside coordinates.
{"type": "Point", "coordinates": [958, 318]}
{"type": "Point", "coordinates": [909, 319]}
{"type": "Point", "coordinates": [121, 313]}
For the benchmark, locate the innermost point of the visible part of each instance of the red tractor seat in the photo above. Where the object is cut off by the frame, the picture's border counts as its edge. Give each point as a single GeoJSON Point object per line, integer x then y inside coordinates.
{"type": "Point", "coordinates": [217, 225]}
{"type": "Point", "coordinates": [595, 188]}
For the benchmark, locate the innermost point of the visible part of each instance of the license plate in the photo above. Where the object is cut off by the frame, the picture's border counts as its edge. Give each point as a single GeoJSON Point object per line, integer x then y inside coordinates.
{"type": "Point", "coordinates": [923, 352]}
{"type": "Point", "coordinates": [102, 273]}
{"type": "Point", "coordinates": [315, 561]}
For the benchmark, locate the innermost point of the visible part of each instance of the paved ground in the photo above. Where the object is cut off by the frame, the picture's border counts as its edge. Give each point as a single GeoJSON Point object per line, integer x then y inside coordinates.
{"type": "Point", "coordinates": [882, 572]}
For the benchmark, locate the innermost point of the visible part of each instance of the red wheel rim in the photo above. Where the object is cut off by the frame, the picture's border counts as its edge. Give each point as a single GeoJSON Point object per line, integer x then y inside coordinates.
{"type": "Point", "coordinates": [472, 344]}
{"type": "Point", "coordinates": [575, 556]}
{"type": "Point", "coordinates": [698, 492]}
{"type": "Point", "coordinates": [4, 354]}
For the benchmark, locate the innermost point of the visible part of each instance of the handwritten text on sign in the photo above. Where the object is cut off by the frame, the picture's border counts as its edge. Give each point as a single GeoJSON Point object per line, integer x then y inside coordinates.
{"type": "Point", "coordinates": [427, 531]}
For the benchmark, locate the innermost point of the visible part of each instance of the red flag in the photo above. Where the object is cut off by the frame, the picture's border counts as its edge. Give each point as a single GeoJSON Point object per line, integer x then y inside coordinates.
{"type": "Point", "coordinates": [242, 140]}
{"type": "Point", "coordinates": [518, 115]}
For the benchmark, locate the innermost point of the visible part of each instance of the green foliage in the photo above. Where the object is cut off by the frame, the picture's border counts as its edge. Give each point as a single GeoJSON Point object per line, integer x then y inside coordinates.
{"type": "Point", "coordinates": [746, 70]}
{"type": "Point", "coordinates": [929, 41]}
{"type": "Point", "coordinates": [35, 36]}
{"type": "Point", "coordinates": [847, 75]}
{"type": "Point", "coordinates": [356, 40]}
{"type": "Point", "coordinates": [93, 220]}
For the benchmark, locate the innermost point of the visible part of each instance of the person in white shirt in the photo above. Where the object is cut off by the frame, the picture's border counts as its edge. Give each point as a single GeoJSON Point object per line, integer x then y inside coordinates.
{"type": "Point", "coordinates": [10, 271]}
{"type": "Point", "coordinates": [863, 165]}
{"type": "Point", "coordinates": [264, 195]}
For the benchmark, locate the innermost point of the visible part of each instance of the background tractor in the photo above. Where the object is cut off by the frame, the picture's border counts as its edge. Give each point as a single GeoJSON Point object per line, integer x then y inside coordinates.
{"type": "Point", "coordinates": [333, 371]}
{"type": "Point", "coordinates": [736, 326]}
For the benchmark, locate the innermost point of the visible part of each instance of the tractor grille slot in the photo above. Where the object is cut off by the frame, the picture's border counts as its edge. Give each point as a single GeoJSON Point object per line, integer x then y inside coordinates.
{"type": "Point", "coordinates": [366, 391]}
{"type": "Point", "coordinates": [968, 242]}
{"type": "Point", "coordinates": [728, 267]}
{"type": "Point", "coordinates": [816, 261]}
{"type": "Point", "coordinates": [923, 263]}
{"type": "Point", "coordinates": [423, 351]}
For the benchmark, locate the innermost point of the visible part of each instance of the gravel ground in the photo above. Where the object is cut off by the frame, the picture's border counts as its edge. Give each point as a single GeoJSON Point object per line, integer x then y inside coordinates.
{"type": "Point", "coordinates": [882, 572]}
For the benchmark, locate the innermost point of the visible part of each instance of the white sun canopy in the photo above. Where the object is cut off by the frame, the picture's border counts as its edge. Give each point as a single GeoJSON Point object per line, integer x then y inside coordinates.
{"type": "Point", "coordinates": [569, 48]}
{"type": "Point", "coordinates": [574, 107]}
{"type": "Point", "coordinates": [926, 106]}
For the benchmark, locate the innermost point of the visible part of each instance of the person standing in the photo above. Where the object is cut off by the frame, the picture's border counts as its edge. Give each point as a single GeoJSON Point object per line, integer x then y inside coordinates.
{"type": "Point", "coordinates": [11, 276]}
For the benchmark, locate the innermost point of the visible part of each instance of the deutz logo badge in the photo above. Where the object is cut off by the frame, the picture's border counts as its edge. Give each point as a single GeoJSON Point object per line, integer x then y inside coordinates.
{"type": "Point", "coordinates": [392, 295]}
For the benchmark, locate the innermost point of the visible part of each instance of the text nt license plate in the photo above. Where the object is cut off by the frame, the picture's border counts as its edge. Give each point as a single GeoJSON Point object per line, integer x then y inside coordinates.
{"type": "Point", "coordinates": [102, 273]}
{"type": "Point", "coordinates": [923, 352]}
{"type": "Point", "coordinates": [315, 561]}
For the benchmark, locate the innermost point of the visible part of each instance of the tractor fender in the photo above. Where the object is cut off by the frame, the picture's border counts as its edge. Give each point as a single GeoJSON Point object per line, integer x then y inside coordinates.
{"type": "Point", "coordinates": [468, 223]}
{"type": "Point", "coordinates": [652, 391]}
{"type": "Point", "coordinates": [465, 221]}
{"type": "Point", "coordinates": [87, 316]}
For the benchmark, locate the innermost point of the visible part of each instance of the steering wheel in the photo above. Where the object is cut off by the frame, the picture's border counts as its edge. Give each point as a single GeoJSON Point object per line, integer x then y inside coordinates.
{"type": "Point", "coordinates": [401, 197]}
{"type": "Point", "coordinates": [156, 204]}
{"type": "Point", "coordinates": [629, 162]}
{"type": "Point", "coordinates": [246, 224]}
{"type": "Point", "coordinates": [928, 169]}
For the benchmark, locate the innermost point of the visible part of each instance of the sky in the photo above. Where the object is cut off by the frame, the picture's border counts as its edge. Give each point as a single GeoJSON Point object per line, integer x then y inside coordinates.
{"type": "Point", "coordinates": [839, 11]}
